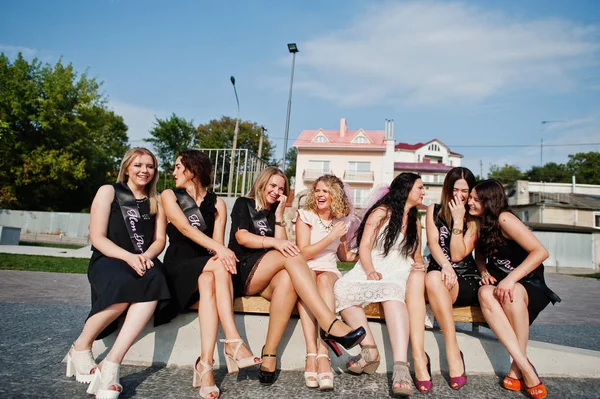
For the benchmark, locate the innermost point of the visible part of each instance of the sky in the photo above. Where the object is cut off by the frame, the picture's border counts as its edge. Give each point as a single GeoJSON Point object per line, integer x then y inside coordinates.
{"type": "Point", "coordinates": [481, 76]}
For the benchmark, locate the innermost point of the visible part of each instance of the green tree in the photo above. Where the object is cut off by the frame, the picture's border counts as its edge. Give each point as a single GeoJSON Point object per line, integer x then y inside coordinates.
{"type": "Point", "coordinates": [585, 166]}
{"type": "Point", "coordinates": [551, 172]}
{"type": "Point", "coordinates": [58, 141]}
{"type": "Point", "coordinates": [291, 156]}
{"type": "Point", "coordinates": [218, 133]}
{"type": "Point", "coordinates": [169, 137]}
{"type": "Point", "coordinates": [506, 174]}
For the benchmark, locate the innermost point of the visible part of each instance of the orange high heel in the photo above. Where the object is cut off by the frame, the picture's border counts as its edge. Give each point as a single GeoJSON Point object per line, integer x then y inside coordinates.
{"type": "Point", "coordinates": [513, 384]}
{"type": "Point", "coordinates": [538, 391]}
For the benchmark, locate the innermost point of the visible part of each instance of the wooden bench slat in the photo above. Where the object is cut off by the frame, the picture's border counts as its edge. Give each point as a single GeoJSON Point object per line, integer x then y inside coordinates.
{"type": "Point", "coordinates": [259, 305]}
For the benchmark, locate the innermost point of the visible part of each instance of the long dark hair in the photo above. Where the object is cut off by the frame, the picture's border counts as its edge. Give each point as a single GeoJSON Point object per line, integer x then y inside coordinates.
{"type": "Point", "coordinates": [394, 201]}
{"type": "Point", "coordinates": [493, 202]}
{"type": "Point", "coordinates": [198, 163]}
{"type": "Point", "coordinates": [452, 177]}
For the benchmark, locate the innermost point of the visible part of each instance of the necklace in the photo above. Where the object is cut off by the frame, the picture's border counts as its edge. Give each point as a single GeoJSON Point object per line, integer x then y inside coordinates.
{"type": "Point", "coordinates": [326, 227]}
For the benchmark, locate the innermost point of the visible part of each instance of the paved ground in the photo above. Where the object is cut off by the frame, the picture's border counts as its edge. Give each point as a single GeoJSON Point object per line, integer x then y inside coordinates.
{"type": "Point", "coordinates": [42, 313]}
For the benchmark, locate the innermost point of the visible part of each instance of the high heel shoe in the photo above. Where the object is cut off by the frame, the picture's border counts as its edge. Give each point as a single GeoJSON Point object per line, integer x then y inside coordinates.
{"type": "Point", "coordinates": [425, 385]}
{"type": "Point", "coordinates": [348, 341]}
{"type": "Point", "coordinates": [311, 374]}
{"type": "Point", "coordinates": [264, 376]}
{"type": "Point", "coordinates": [538, 391]}
{"type": "Point", "coordinates": [209, 391]}
{"type": "Point", "coordinates": [233, 363]}
{"type": "Point", "coordinates": [513, 384]}
{"type": "Point", "coordinates": [325, 379]}
{"type": "Point", "coordinates": [104, 379]}
{"type": "Point", "coordinates": [81, 364]}
{"type": "Point", "coordinates": [364, 362]}
{"type": "Point", "coordinates": [401, 375]}
{"type": "Point", "coordinates": [457, 383]}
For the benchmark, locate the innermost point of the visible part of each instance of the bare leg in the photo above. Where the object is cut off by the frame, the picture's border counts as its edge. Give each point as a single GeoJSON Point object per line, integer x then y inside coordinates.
{"type": "Point", "coordinates": [309, 328]}
{"type": "Point", "coordinates": [441, 301]}
{"type": "Point", "coordinates": [518, 317]}
{"type": "Point", "coordinates": [303, 282]}
{"type": "Point", "coordinates": [415, 301]}
{"type": "Point", "coordinates": [498, 321]}
{"type": "Point", "coordinates": [396, 320]}
{"type": "Point", "coordinates": [98, 322]}
{"type": "Point", "coordinates": [325, 283]}
{"type": "Point", "coordinates": [209, 322]}
{"type": "Point", "coordinates": [355, 317]}
{"type": "Point", "coordinates": [280, 292]}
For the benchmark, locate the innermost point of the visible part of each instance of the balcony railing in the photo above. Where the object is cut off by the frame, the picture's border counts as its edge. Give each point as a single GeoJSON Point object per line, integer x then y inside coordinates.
{"type": "Point", "coordinates": [313, 174]}
{"type": "Point", "coordinates": [246, 168]}
{"type": "Point", "coordinates": [359, 177]}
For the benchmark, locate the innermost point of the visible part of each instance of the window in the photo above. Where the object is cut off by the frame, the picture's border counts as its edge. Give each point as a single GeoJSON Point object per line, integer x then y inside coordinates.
{"type": "Point", "coordinates": [360, 140]}
{"type": "Point", "coordinates": [525, 216]}
{"type": "Point", "coordinates": [319, 166]}
{"type": "Point", "coordinates": [358, 170]}
{"type": "Point", "coordinates": [360, 196]}
{"type": "Point", "coordinates": [320, 139]}
{"type": "Point", "coordinates": [597, 219]}
{"type": "Point", "coordinates": [433, 147]}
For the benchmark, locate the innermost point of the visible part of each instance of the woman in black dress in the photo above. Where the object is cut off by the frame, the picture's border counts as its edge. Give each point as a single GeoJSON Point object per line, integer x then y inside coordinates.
{"type": "Point", "coordinates": [272, 267]}
{"type": "Point", "coordinates": [199, 265]}
{"type": "Point", "coordinates": [127, 232]}
{"type": "Point", "coordinates": [509, 259]}
{"type": "Point", "coordinates": [452, 277]}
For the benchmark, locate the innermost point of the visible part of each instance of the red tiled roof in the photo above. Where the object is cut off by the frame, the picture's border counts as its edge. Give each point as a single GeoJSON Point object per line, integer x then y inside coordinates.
{"type": "Point", "coordinates": [406, 146]}
{"type": "Point", "coordinates": [422, 167]}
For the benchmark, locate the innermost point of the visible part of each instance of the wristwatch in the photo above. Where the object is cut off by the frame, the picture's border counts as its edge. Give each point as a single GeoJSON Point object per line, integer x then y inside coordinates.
{"type": "Point", "coordinates": [282, 223]}
{"type": "Point", "coordinates": [457, 231]}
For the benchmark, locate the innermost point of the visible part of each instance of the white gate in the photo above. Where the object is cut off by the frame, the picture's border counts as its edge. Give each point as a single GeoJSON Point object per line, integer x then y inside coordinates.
{"type": "Point", "coordinates": [569, 249]}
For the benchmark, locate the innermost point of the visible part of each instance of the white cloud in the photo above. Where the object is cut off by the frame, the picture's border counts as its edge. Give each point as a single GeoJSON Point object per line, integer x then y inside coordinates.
{"type": "Point", "coordinates": [138, 119]}
{"type": "Point", "coordinates": [424, 53]}
{"type": "Point", "coordinates": [12, 51]}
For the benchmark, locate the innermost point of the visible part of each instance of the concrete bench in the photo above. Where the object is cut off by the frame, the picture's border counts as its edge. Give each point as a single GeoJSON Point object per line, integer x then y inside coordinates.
{"type": "Point", "coordinates": [373, 311]}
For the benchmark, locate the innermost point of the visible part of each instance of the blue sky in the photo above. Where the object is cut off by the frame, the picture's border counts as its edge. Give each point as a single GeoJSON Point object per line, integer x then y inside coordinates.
{"type": "Point", "coordinates": [483, 73]}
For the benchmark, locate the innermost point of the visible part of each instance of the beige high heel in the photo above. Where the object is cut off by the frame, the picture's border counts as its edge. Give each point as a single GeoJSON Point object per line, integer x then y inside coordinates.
{"type": "Point", "coordinates": [364, 362]}
{"type": "Point", "coordinates": [104, 379]}
{"type": "Point", "coordinates": [206, 391]}
{"type": "Point", "coordinates": [81, 364]}
{"type": "Point", "coordinates": [233, 363]}
{"type": "Point", "coordinates": [325, 379]}
{"type": "Point", "coordinates": [308, 374]}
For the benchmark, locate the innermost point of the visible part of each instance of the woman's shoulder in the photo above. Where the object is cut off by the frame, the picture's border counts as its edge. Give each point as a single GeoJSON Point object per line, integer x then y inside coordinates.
{"type": "Point", "coordinates": [106, 192]}
{"type": "Point", "coordinates": [306, 216]}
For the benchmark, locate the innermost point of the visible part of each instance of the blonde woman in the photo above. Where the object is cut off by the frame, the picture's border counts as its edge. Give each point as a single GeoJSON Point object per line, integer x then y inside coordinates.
{"type": "Point", "coordinates": [127, 232]}
{"type": "Point", "coordinates": [321, 236]}
{"type": "Point", "coordinates": [272, 266]}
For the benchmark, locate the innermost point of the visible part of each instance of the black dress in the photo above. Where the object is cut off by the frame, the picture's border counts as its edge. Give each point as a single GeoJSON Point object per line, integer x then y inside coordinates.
{"type": "Point", "coordinates": [466, 270]}
{"type": "Point", "coordinates": [113, 280]}
{"type": "Point", "coordinates": [249, 258]}
{"type": "Point", "coordinates": [510, 255]}
{"type": "Point", "coordinates": [185, 261]}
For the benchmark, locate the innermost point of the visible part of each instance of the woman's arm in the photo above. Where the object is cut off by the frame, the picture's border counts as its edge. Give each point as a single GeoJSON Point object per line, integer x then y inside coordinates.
{"type": "Point", "coordinates": [486, 277]}
{"type": "Point", "coordinates": [160, 234]}
{"type": "Point", "coordinates": [220, 222]}
{"type": "Point", "coordinates": [370, 231]}
{"type": "Point", "coordinates": [418, 256]}
{"type": "Point", "coordinates": [433, 238]}
{"type": "Point", "coordinates": [344, 253]}
{"type": "Point", "coordinates": [310, 250]}
{"type": "Point", "coordinates": [461, 243]}
{"type": "Point", "coordinates": [280, 231]}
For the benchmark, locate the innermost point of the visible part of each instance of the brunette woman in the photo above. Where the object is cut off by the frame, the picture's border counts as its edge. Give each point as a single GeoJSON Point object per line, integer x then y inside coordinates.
{"type": "Point", "coordinates": [513, 292]}
{"type": "Point", "coordinates": [321, 236]}
{"type": "Point", "coordinates": [272, 266]}
{"type": "Point", "coordinates": [127, 232]}
{"type": "Point", "coordinates": [199, 265]}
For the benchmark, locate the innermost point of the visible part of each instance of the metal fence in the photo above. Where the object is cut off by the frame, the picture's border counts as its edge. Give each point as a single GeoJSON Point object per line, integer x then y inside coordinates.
{"type": "Point", "coordinates": [247, 166]}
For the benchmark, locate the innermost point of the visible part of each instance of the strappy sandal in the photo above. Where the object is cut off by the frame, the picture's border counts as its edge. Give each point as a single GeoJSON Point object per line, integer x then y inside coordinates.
{"type": "Point", "coordinates": [311, 383]}
{"type": "Point", "coordinates": [81, 364]}
{"type": "Point", "coordinates": [401, 376]}
{"type": "Point", "coordinates": [233, 363]}
{"type": "Point", "coordinates": [325, 379]}
{"type": "Point", "coordinates": [209, 391]}
{"type": "Point", "coordinates": [364, 362]}
{"type": "Point", "coordinates": [264, 376]}
{"type": "Point", "coordinates": [105, 378]}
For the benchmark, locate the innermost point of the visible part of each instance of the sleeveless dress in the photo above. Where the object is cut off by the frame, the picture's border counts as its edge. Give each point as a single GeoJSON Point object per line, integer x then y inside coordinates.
{"type": "Point", "coordinates": [326, 261]}
{"type": "Point", "coordinates": [113, 280]}
{"type": "Point", "coordinates": [185, 260]}
{"type": "Point", "coordinates": [510, 255]}
{"type": "Point", "coordinates": [355, 289]}
{"type": "Point", "coordinates": [249, 258]}
{"type": "Point", "coordinates": [466, 270]}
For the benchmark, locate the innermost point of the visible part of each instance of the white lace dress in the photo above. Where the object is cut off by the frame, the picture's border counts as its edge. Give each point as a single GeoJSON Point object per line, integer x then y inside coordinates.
{"type": "Point", "coordinates": [355, 289]}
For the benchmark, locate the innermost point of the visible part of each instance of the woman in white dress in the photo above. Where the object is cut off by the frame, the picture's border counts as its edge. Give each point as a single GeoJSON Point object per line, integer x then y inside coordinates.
{"type": "Point", "coordinates": [321, 236]}
{"type": "Point", "coordinates": [389, 249]}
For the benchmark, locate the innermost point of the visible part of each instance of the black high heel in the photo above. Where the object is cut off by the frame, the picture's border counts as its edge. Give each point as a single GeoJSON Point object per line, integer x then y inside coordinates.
{"type": "Point", "coordinates": [264, 376]}
{"type": "Point", "coordinates": [348, 341]}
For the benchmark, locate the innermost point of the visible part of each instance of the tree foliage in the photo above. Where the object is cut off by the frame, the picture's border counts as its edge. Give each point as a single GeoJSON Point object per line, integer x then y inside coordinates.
{"type": "Point", "coordinates": [506, 174]}
{"type": "Point", "coordinates": [585, 167]}
{"type": "Point", "coordinates": [58, 141]}
{"type": "Point", "coordinates": [290, 170]}
{"type": "Point", "coordinates": [551, 172]}
{"type": "Point", "coordinates": [169, 137]}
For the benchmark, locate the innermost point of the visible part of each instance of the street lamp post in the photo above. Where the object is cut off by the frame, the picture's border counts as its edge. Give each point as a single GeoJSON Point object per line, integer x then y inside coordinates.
{"type": "Point", "coordinates": [544, 123]}
{"type": "Point", "coordinates": [235, 136]}
{"type": "Point", "coordinates": [293, 48]}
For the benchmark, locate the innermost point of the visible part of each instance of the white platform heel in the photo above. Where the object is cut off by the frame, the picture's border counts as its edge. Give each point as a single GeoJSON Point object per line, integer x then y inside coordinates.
{"type": "Point", "coordinates": [81, 364]}
{"type": "Point", "coordinates": [311, 383]}
{"type": "Point", "coordinates": [104, 379]}
{"type": "Point", "coordinates": [325, 379]}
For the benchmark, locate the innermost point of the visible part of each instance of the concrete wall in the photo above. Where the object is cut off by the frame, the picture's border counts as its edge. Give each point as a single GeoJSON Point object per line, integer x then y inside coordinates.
{"type": "Point", "coordinates": [56, 223]}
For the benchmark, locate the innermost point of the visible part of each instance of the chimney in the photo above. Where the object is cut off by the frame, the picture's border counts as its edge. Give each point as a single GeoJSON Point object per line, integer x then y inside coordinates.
{"type": "Point", "coordinates": [343, 128]}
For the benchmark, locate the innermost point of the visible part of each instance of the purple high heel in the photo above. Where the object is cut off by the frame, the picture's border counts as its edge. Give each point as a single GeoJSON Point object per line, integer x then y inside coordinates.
{"type": "Point", "coordinates": [425, 386]}
{"type": "Point", "coordinates": [457, 383]}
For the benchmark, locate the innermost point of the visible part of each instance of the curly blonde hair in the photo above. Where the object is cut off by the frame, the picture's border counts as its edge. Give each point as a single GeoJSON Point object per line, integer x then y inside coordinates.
{"type": "Point", "coordinates": [340, 204]}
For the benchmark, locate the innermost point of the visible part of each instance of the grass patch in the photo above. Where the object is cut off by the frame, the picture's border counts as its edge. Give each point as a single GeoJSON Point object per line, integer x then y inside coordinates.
{"type": "Point", "coordinates": [51, 245]}
{"type": "Point", "coordinates": [592, 275]}
{"type": "Point", "coordinates": [345, 266]}
{"type": "Point", "coordinates": [36, 263]}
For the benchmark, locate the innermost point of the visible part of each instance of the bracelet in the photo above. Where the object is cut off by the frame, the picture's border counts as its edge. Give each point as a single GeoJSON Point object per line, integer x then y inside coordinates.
{"type": "Point", "coordinates": [263, 242]}
{"type": "Point", "coordinates": [485, 274]}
